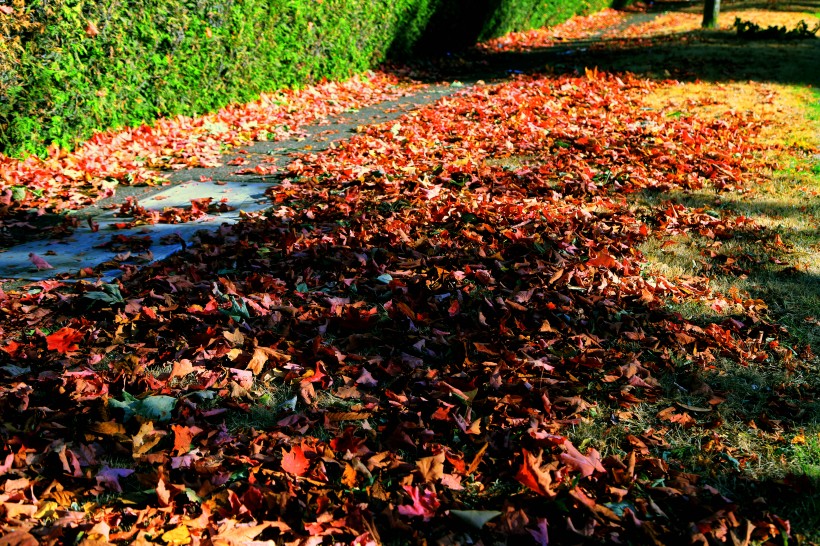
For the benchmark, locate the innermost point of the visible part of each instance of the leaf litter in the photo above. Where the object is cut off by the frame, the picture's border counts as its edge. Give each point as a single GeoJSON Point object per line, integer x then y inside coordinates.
{"type": "Point", "coordinates": [403, 346]}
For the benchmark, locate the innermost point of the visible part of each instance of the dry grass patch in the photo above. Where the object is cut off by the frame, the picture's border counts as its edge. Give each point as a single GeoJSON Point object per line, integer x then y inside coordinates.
{"type": "Point", "coordinates": [782, 266]}
{"type": "Point", "coordinates": [689, 20]}
{"type": "Point", "coordinates": [780, 110]}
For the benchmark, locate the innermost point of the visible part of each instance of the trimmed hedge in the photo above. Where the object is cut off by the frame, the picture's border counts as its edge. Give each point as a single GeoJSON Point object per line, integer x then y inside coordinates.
{"type": "Point", "coordinates": [69, 68]}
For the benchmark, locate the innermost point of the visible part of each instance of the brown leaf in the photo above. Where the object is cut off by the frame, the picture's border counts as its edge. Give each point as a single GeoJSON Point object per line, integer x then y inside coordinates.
{"type": "Point", "coordinates": [585, 464]}
{"type": "Point", "coordinates": [236, 338]}
{"type": "Point", "coordinates": [18, 538]}
{"type": "Point", "coordinates": [145, 439]}
{"type": "Point", "coordinates": [477, 460]}
{"type": "Point", "coordinates": [261, 355]}
{"type": "Point", "coordinates": [108, 428]}
{"type": "Point", "coordinates": [243, 533]}
{"type": "Point", "coordinates": [431, 468]}
{"type": "Point", "coordinates": [535, 476]}
{"type": "Point", "coordinates": [334, 417]}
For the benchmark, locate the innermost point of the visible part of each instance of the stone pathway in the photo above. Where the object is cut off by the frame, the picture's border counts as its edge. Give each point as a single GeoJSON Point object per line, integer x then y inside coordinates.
{"type": "Point", "coordinates": [242, 193]}
{"type": "Point", "coordinates": [112, 247]}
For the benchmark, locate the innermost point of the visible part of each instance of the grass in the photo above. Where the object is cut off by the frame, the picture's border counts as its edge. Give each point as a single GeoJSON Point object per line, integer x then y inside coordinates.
{"type": "Point", "coordinates": [771, 431]}
{"type": "Point", "coordinates": [785, 269]}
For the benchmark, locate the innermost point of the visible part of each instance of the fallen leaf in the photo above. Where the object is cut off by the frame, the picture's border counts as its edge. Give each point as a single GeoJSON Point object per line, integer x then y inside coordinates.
{"type": "Point", "coordinates": [294, 461]}
{"type": "Point", "coordinates": [475, 518]}
{"type": "Point", "coordinates": [431, 468]}
{"type": "Point", "coordinates": [64, 340]}
{"type": "Point", "coordinates": [425, 503]}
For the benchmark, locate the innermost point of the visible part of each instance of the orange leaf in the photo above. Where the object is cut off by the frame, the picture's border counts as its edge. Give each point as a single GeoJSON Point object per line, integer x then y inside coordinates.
{"type": "Point", "coordinates": [182, 438]}
{"type": "Point", "coordinates": [295, 462]}
{"type": "Point", "coordinates": [604, 260]}
{"type": "Point", "coordinates": [64, 340]}
{"type": "Point", "coordinates": [10, 348]}
{"type": "Point", "coordinates": [349, 477]}
{"type": "Point", "coordinates": [532, 475]}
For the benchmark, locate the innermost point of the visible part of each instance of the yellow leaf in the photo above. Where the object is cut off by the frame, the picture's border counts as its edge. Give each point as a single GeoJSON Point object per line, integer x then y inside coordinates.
{"type": "Point", "coordinates": [46, 509]}
{"type": "Point", "coordinates": [233, 354]}
{"type": "Point", "coordinates": [180, 536]}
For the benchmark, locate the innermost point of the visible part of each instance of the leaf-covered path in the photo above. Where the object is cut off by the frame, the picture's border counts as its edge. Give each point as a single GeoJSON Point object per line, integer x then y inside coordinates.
{"type": "Point", "coordinates": [444, 329]}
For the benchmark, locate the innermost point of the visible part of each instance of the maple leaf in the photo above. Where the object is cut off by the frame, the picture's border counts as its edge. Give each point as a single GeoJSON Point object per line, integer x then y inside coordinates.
{"type": "Point", "coordinates": [17, 538]}
{"type": "Point", "coordinates": [533, 475]}
{"type": "Point", "coordinates": [110, 477]}
{"type": "Point", "coordinates": [295, 462]}
{"type": "Point", "coordinates": [683, 419]}
{"type": "Point", "coordinates": [183, 436]}
{"type": "Point", "coordinates": [151, 407]}
{"type": "Point", "coordinates": [540, 533]}
{"type": "Point", "coordinates": [242, 533]}
{"type": "Point", "coordinates": [349, 476]}
{"type": "Point", "coordinates": [145, 439]}
{"type": "Point", "coordinates": [425, 503]}
{"type": "Point", "coordinates": [603, 259]}
{"type": "Point", "coordinates": [431, 468]}
{"type": "Point", "coordinates": [64, 340]}
{"type": "Point", "coordinates": [586, 464]}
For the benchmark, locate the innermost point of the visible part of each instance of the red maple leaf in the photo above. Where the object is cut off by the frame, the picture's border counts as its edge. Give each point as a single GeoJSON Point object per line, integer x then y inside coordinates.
{"type": "Point", "coordinates": [64, 340]}
{"type": "Point", "coordinates": [425, 503]}
{"type": "Point", "coordinates": [295, 462]}
{"type": "Point", "coordinates": [532, 475]}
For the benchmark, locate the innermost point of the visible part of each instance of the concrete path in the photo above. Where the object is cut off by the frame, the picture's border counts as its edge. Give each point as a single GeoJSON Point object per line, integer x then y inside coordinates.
{"type": "Point", "coordinates": [108, 245]}
{"type": "Point", "coordinates": [111, 247]}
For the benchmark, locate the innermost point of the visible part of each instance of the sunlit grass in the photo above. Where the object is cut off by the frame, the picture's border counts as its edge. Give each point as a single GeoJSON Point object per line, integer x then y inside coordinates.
{"type": "Point", "coordinates": [779, 263]}
{"type": "Point", "coordinates": [783, 265]}
{"type": "Point", "coordinates": [689, 19]}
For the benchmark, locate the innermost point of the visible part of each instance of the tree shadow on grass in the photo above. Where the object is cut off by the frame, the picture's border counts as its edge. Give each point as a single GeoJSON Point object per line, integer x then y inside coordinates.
{"type": "Point", "coordinates": [773, 263]}
{"type": "Point", "coordinates": [717, 56]}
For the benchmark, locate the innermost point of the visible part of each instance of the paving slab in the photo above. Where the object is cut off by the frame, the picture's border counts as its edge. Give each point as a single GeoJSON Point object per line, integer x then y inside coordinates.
{"type": "Point", "coordinates": [109, 247]}
{"type": "Point", "coordinates": [247, 196]}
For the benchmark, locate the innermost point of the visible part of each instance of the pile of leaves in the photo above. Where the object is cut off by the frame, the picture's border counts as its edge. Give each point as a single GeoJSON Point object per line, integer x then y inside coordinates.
{"type": "Point", "coordinates": [401, 349]}
{"type": "Point", "coordinates": [577, 28]}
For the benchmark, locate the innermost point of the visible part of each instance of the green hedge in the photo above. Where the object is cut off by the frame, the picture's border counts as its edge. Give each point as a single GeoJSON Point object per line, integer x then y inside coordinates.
{"type": "Point", "coordinates": [69, 68]}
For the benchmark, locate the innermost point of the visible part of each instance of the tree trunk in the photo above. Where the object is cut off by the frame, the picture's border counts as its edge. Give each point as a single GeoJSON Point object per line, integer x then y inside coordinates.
{"type": "Point", "coordinates": [711, 10]}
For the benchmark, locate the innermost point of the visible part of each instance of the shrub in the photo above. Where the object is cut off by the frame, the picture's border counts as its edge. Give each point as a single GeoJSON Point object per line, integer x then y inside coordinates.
{"type": "Point", "coordinates": [69, 68]}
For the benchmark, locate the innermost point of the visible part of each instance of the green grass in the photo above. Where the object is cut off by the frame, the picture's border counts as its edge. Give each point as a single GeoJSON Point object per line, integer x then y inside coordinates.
{"type": "Point", "coordinates": [770, 429]}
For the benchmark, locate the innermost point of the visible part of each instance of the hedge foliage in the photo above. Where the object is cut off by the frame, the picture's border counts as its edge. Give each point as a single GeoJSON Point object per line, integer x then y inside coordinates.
{"type": "Point", "coordinates": [69, 68]}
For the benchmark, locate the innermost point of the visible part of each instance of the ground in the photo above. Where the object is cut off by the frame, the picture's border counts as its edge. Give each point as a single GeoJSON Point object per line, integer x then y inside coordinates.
{"type": "Point", "coordinates": [578, 303]}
